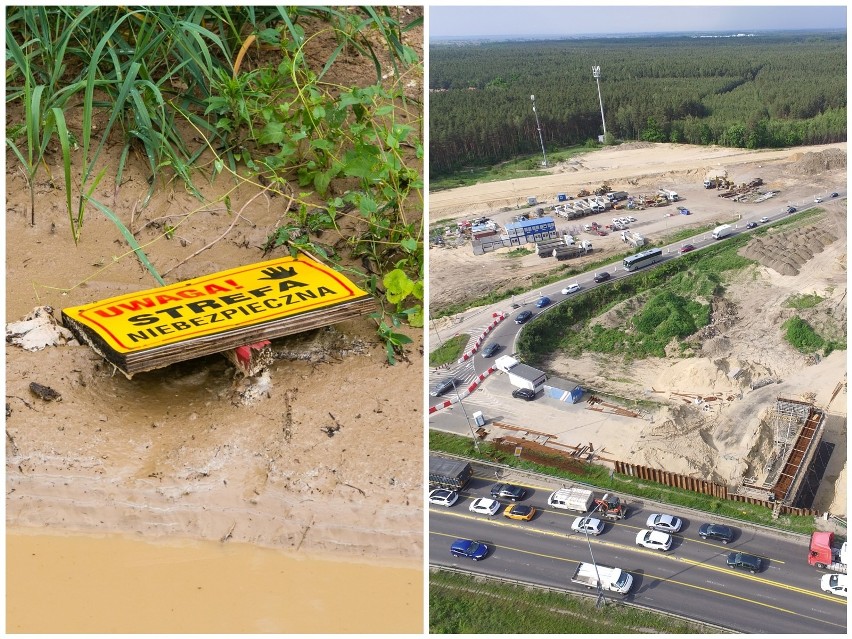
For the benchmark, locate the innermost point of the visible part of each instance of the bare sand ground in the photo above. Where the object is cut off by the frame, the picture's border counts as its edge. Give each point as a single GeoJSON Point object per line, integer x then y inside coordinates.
{"type": "Point", "coordinates": [722, 439]}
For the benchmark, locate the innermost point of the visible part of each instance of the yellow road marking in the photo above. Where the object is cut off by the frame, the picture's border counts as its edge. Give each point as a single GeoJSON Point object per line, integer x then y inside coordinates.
{"type": "Point", "coordinates": [618, 522]}
{"type": "Point", "coordinates": [697, 587]}
{"type": "Point", "coordinates": [639, 549]}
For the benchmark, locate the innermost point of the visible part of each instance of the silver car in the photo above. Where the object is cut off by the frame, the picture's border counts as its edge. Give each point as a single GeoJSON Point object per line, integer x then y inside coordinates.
{"type": "Point", "coordinates": [666, 523]}
{"type": "Point", "coordinates": [588, 525]}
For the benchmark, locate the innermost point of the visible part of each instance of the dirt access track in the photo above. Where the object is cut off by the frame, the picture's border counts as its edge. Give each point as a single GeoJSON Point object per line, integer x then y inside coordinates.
{"type": "Point", "coordinates": [742, 363]}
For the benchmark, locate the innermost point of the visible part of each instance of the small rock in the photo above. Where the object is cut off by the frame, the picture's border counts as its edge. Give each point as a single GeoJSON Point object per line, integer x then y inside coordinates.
{"type": "Point", "coordinates": [45, 392]}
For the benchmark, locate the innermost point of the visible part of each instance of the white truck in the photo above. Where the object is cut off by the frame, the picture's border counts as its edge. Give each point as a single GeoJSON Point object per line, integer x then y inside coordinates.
{"type": "Point", "coordinates": [579, 499]}
{"type": "Point", "coordinates": [722, 231]}
{"type": "Point", "coordinates": [633, 239]}
{"type": "Point", "coordinates": [609, 578]}
{"type": "Point", "coordinates": [523, 376]}
{"type": "Point", "coordinates": [671, 196]}
{"type": "Point", "coordinates": [616, 196]}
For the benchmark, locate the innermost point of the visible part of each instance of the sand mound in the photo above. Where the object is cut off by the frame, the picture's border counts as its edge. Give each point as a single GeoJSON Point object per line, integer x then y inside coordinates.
{"type": "Point", "coordinates": [786, 252]}
{"type": "Point", "coordinates": [814, 163]}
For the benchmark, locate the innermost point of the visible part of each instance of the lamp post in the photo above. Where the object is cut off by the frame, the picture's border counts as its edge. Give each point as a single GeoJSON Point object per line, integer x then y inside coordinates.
{"type": "Point", "coordinates": [538, 126]}
{"type": "Point", "coordinates": [601, 597]}
{"type": "Point", "coordinates": [472, 433]}
{"type": "Point", "coordinates": [596, 73]}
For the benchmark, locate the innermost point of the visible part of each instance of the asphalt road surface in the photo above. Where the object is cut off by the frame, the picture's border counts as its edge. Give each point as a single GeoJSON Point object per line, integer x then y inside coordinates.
{"type": "Point", "coordinates": [692, 579]}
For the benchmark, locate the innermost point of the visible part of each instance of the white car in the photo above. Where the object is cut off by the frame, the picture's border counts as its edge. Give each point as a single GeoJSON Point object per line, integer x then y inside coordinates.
{"type": "Point", "coordinates": [835, 584]}
{"type": "Point", "coordinates": [654, 539]}
{"type": "Point", "coordinates": [666, 523]}
{"type": "Point", "coordinates": [631, 219]}
{"type": "Point", "coordinates": [588, 525]}
{"type": "Point", "coordinates": [571, 288]}
{"type": "Point", "coordinates": [817, 199]}
{"type": "Point", "coordinates": [764, 220]}
{"type": "Point", "coordinates": [443, 497]}
{"type": "Point", "coordinates": [485, 506]}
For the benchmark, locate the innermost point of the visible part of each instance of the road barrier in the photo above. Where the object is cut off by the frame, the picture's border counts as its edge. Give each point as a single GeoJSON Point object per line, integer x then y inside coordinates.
{"type": "Point", "coordinates": [498, 317]}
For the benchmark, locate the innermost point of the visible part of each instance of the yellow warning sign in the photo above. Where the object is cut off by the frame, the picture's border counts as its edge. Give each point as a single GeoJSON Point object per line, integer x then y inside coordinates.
{"type": "Point", "coordinates": [241, 297]}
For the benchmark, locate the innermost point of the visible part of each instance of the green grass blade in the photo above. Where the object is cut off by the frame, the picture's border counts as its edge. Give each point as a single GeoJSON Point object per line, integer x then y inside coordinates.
{"type": "Point", "coordinates": [128, 236]}
{"type": "Point", "coordinates": [65, 144]}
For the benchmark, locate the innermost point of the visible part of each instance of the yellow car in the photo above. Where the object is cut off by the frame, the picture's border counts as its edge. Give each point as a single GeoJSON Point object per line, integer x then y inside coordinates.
{"type": "Point", "coordinates": [519, 511]}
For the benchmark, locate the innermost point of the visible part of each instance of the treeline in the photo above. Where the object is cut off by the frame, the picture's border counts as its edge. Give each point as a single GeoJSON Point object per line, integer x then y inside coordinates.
{"type": "Point", "coordinates": [751, 92]}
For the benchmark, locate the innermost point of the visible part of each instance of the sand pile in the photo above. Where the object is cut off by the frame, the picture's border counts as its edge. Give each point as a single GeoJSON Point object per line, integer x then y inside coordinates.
{"type": "Point", "coordinates": [786, 252]}
{"type": "Point", "coordinates": [814, 163]}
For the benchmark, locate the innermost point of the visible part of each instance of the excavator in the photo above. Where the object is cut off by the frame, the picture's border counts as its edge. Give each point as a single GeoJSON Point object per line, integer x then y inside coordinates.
{"type": "Point", "coordinates": [611, 507]}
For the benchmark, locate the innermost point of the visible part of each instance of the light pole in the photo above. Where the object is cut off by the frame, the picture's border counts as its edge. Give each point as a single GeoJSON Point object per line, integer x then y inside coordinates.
{"type": "Point", "coordinates": [601, 597]}
{"type": "Point", "coordinates": [596, 73]}
{"type": "Point", "coordinates": [538, 126]}
{"type": "Point", "coordinates": [472, 433]}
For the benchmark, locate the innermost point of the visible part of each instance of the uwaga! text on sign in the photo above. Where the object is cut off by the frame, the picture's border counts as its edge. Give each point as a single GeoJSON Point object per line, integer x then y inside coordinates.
{"type": "Point", "coordinates": [210, 314]}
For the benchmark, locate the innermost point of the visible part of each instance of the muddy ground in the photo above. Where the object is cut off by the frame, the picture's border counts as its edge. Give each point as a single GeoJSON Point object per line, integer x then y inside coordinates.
{"type": "Point", "coordinates": [322, 454]}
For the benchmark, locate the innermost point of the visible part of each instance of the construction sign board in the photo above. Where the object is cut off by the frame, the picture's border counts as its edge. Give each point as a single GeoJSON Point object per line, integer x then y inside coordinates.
{"type": "Point", "coordinates": [214, 313]}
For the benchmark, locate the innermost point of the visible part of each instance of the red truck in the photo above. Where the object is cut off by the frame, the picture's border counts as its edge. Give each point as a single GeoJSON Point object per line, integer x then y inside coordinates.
{"type": "Point", "coordinates": [824, 554]}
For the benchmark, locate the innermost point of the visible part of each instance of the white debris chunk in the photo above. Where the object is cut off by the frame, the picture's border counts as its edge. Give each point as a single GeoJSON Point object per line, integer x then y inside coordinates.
{"type": "Point", "coordinates": [37, 330]}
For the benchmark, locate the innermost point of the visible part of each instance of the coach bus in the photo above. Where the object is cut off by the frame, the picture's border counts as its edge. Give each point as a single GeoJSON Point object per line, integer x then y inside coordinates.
{"type": "Point", "coordinates": [645, 258]}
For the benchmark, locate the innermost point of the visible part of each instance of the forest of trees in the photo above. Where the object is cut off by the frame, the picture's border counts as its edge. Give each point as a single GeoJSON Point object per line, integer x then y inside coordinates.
{"type": "Point", "coordinates": [750, 92]}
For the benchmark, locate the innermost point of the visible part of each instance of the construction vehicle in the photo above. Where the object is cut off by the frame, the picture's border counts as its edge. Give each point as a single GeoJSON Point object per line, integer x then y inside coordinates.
{"type": "Point", "coordinates": [579, 499]}
{"type": "Point", "coordinates": [616, 196]}
{"type": "Point", "coordinates": [824, 554]}
{"type": "Point", "coordinates": [722, 231]}
{"type": "Point", "coordinates": [671, 196]}
{"type": "Point", "coordinates": [611, 507]}
{"type": "Point", "coordinates": [449, 473]}
{"type": "Point", "coordinates": [633, 239]}
{"type": "Point", "coordinates": [603, 577]}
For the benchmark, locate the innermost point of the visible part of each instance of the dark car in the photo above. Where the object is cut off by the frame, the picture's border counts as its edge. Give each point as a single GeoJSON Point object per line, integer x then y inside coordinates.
{"type": "Point", "coordinates": [523, 316]}
{"type": "Point", "coordinates": [751, 225]}
{"type": "Point", "coordinates": [601, 277]}
{"type": "Point", "coordinates": [443, 386]}
{"type": "Point", "coordinates": [835, 194]}
{"type": "Point", "coordinates": [542, 302]}
{"type": "Point", "coordinates": [476, 550]}
{"type": "Point", "coordinates": [523, 393]}
{"type": "Point", "coordinates": [725, 534]}
{"type": "Point", "coordinates": [744, 561]}
{"type": "Point", "coordinates": [508, 491]}
{"type": "Point", "coordinates": [791, 209]}
{"type": "Point", "coordinates": [686, 248]}
{"type": "Point", "coordinates": [490, 350]}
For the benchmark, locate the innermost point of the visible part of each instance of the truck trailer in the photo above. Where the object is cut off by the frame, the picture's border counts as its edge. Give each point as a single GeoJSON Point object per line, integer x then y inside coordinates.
{"type": "Point", "coordinates": [722, 231]}
{"type": "Point", "coordinates": [524, 376]}
{"type": "Point", "coordinates": [449, 473]}
{"type": "Point", "coordinates": [605, 577]}
{"type": "Point", "coordinates": [578, 499]}
{"type": "Point", "coordinates": [825, 554]}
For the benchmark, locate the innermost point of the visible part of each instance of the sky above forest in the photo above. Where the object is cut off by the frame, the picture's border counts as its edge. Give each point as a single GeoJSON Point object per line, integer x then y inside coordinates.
{"type": "Point", "coordinates": [543, 21]}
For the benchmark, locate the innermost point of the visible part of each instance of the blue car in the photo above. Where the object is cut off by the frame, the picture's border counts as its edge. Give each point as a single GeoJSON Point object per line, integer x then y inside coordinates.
{"type": "Point", "coordinates": [476, 550]}
{"type": "Point", "coordinates": [542, 302]}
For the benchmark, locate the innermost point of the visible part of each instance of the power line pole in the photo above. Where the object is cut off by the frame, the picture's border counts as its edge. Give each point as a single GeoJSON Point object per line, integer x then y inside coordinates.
{"type": "Point", "coordinates": [538, 126]}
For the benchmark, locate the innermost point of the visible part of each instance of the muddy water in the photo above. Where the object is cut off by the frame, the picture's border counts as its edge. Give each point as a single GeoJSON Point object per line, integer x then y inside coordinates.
{"type": "Point", "coordinates": [118, 584]}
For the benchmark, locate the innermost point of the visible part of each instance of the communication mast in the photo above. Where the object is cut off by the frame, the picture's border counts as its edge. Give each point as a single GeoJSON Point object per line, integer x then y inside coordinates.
{"type": "Point", "coordinates": [596, 73]}
{"type": "Point", "coordinates": [538, 126]}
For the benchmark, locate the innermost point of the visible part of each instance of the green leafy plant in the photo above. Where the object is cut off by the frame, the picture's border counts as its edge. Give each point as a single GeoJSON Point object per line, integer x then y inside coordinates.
{"type": "Point", "coordinates": [240, 78]}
